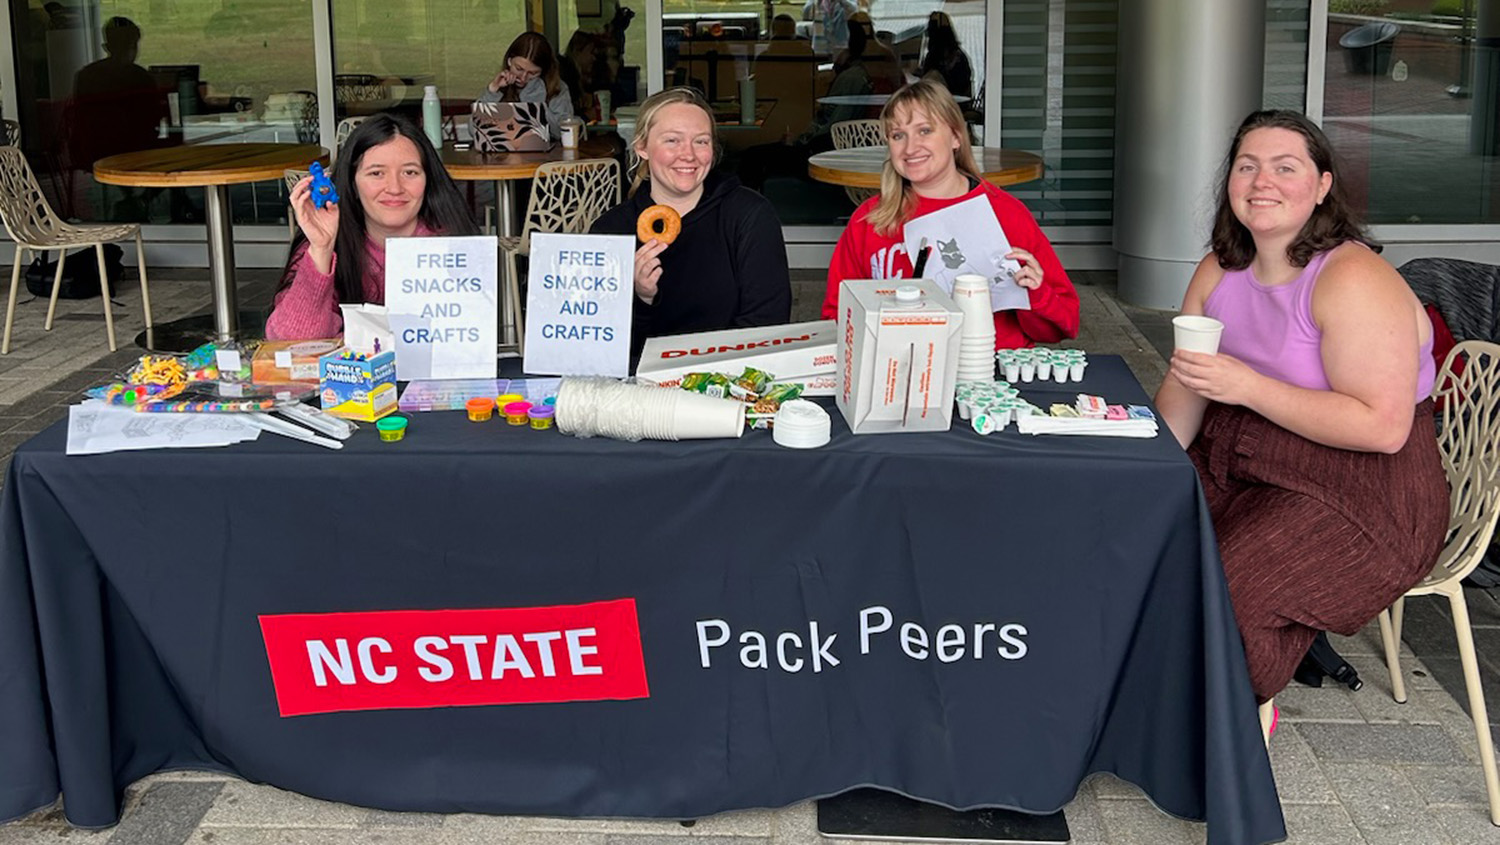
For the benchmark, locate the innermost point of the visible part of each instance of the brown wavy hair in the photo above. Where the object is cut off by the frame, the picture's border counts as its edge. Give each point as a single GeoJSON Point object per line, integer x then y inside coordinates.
{"type": "Point", "coordinates": [535, 48]}
{"type": "Point", "coordinates": [1333, 221]}
{"type": "Point", "coordinates": [898, 199]}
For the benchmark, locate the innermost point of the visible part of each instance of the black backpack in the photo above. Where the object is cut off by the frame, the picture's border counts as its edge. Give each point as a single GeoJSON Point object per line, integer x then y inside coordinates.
{"type": "Point", "coordinates": [80, 273]}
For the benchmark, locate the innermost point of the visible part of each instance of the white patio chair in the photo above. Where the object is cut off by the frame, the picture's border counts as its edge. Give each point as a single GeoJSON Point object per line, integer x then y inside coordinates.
{"type": "Point", "coordinates": [32, 224]}
{"type": "Point", "coordinates": [342, 133]}
{"type": "Point", "coordinates": [566, 196]}
{"type": "Point", "coordinates": [1469, 442]}
{"type": "Point", "coordinates": [849, 134]}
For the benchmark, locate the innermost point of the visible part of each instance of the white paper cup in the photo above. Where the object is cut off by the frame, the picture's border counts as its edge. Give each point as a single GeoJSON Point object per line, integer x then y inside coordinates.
{"type": "Point", "coordinates": [1197, 334]}
{"type": "Point", "coordinates": [697, 417]}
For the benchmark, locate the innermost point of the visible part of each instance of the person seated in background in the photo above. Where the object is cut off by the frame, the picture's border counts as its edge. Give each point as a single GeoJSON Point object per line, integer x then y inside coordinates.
{"type": "Point", "coordinates": [117, 106]}
{"type": "Point", "coordinates": [576, 69]}
{"type": "Point", "coordinates": [945, 61]}
{"type": "Point", "coordinates": [529, 74]}
{"type": "Point", "coordinates": [727, 268]}
{"type": "Point", "coordinates": [1312, 427]}
{"type": "Point", "coordinates": [930, 166]}
{"type": "Point", "coordinates": [783, 27]}
{"type": "Point", "coordinates": [391, 184]}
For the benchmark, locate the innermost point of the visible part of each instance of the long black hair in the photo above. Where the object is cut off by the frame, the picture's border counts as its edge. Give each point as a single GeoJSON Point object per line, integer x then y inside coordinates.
{"type": "Point", "coordinates": [1333, 221]}
{"type": "Point", "coordinates": [443, 208]}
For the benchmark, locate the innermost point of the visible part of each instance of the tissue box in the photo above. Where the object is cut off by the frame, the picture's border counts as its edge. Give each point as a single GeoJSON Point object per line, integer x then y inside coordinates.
{"type": "Point", "coordinates": [897, 363]}
{"type": "Point", "coordinates": [282, 361]}
{"type": "Point", "coordinates": [788, 352]}
{"type": "Point", "coordinates": [358, 389]}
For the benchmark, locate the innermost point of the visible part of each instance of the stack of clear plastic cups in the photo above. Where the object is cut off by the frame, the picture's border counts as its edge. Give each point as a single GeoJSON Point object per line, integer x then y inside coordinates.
{"type": "Point", "coordinates": [976, 349]}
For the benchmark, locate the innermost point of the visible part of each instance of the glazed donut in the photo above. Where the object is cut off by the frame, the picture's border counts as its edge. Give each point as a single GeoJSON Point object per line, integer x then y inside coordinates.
{"type": "Point", "coordinates": [671, 224]}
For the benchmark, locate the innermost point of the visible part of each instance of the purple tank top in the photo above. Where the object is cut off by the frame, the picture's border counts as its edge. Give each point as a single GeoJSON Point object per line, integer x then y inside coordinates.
{"type": "Point", "coordinates": [1271, 328]}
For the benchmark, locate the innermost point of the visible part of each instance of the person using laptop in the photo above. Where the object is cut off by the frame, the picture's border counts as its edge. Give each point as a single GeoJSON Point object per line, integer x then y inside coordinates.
{"type": "Point", "coordinates": [529, 74]}
{"type": "Point", "coordinates": [390, 184]}
{"type": "Point", "coordinates": [721, 263]}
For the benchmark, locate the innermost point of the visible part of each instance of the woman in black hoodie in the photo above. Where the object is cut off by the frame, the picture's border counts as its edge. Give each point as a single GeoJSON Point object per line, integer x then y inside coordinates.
{"type": "Point", "coordinates": [728, 266]}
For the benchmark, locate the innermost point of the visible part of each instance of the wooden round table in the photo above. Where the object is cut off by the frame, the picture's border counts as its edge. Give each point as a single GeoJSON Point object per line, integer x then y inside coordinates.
{"type": "Point", "coordinates": [506, 168]}
{"type": "Point", "coordinates": [860, 167]}
{"type": "Point", "coordinates": [213, 167]}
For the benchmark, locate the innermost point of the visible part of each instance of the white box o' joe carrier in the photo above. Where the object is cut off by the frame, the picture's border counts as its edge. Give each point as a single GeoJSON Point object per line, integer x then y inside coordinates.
{"type": "Point", "coordinates": [897, 359]}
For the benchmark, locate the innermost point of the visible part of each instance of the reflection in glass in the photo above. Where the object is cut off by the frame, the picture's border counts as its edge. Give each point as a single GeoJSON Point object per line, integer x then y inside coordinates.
{"type": "Point", "coordinates": [110, 77]}
{"type": "Point", "coordinates": [1411, 104]}
{"type": "Point", "coordinates": [781, 74]}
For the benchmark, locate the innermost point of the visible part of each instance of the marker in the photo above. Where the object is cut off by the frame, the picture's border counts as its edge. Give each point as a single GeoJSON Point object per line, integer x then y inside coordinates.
{"type": "Point", "coordinates": [923, 250]}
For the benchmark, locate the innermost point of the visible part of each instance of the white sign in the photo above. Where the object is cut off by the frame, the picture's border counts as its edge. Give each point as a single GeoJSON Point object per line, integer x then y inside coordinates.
{"type": "Point", "coordinates": [440, 294]}
{"type": "Point", "coordinates": [966, 238]}
{"type": "Point", "coordinates": [578, 302]}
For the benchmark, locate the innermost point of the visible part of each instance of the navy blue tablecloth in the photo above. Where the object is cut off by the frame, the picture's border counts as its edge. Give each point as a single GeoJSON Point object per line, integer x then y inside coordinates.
{"type": "Point", "coordinates": [133, 584]}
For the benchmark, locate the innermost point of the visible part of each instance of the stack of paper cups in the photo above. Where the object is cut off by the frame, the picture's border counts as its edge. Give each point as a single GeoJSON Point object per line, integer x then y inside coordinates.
{"type": "Point", "coordinates": [801, 424]}
{"type": "Point", "coordinates": [587, 407]}
{"type": "Point", "coordinates": [976, 352]}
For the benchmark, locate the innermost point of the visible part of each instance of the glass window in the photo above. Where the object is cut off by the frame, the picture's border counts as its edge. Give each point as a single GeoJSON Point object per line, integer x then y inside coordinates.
{"type": "Point", "coordinates": [1286, 55]}
{"type": "Point", "coordinates": [114, 76]}
{"type": "Point", "coordinates": [1411, 102]}
{"type": "Point", "coordinates": [1058, 102]}
{"type": "Point", "coordinates": [807, 65]}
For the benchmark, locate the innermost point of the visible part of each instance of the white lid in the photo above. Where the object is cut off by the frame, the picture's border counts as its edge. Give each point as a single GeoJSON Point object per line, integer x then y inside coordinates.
{"type": "Point", "coordinates": [801, 424]}
{"type": "Point", "coordinates": [908, 293]}
{"type": "Point", "coordinates": [429, 89]}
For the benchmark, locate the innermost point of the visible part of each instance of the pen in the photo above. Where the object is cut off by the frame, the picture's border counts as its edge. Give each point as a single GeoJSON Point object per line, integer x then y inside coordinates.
{"type": "Point", "coordinates": [923, 250]}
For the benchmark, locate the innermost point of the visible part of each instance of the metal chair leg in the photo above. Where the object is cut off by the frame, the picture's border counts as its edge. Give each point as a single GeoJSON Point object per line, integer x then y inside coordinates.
{"type": "Point", "coordinates": [62, 256]}
{"type": "Point", "coordinates": [109, 317]}
{"type": "Point", "coordinates": [10, 309]}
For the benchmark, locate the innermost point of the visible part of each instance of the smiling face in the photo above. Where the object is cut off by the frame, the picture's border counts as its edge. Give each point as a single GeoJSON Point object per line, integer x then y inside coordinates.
{"type": "Point", "coordinates": [679, 150]}
{"type": "Point", "coordinates": [391, 185]}
{"type": "Point", "coordinates": [921, 150]}
{"type": "Point", "coordinates": [1273, 185]}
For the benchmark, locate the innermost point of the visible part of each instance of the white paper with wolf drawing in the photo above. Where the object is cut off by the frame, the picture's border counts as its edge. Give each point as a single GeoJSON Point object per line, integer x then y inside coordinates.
{"type": "Point", "coordinates": [966, 238]}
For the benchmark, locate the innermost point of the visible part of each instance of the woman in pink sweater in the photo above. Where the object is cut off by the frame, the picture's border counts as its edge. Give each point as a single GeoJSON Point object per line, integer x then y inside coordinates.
{"type": "Point", "coordinates": [338, 255]}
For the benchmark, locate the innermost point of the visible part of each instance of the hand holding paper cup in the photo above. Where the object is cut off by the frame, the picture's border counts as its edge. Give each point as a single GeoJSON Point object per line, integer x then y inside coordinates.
{"type": "Point", "coordinates": [1197, 333]}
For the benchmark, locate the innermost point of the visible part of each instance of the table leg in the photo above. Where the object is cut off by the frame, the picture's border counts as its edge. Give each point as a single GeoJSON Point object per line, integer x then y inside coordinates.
{"type": "Point", "coordinates": [221, 261]}
{"type": "Point", "coordinates": [505, 211]}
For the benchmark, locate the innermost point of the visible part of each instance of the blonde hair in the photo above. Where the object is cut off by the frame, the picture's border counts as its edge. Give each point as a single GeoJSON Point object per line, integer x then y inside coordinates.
{"type": "Point", "coordinates": [646, 121]}
{"type": "Point", "coordinates": [897, 197]}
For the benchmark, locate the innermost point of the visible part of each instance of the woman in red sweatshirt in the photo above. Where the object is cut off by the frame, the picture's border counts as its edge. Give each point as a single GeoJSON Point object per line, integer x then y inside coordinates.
{"type": "Point", "coordinates": [931, 167]}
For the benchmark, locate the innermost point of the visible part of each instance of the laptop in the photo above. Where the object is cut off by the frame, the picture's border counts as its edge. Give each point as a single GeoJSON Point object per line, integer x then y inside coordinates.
{"type": "Point", "coordinates": [509, 127]}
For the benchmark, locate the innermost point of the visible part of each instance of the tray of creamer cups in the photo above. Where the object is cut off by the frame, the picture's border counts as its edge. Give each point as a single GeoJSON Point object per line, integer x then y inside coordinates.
{"type": "Point", "coordinates": [801, 424]}
{"type": "Point", "coordinates": [1040, 364]}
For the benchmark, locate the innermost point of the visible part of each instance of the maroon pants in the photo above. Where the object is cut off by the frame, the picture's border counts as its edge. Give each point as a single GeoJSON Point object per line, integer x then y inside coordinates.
{"type": "Point", "coordinates": [1315, 538]}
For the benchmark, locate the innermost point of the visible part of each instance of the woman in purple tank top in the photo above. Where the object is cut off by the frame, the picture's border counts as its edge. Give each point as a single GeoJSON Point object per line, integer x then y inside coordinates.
{"type": "Point", "coordinates": [1312, 428]}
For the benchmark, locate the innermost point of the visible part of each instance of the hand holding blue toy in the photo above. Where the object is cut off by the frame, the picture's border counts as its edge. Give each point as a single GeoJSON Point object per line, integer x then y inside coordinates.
{"type": "Point", "coordinates": [322, 188]}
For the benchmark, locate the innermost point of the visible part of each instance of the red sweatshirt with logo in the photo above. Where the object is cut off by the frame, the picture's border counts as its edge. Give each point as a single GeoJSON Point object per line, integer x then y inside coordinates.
{"type": "Point", "coordinates": [862, 253]}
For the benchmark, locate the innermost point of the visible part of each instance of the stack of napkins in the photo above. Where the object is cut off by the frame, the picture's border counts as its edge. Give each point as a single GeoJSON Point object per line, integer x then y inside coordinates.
{"type": "Point", "coordinates": [1038, 424]}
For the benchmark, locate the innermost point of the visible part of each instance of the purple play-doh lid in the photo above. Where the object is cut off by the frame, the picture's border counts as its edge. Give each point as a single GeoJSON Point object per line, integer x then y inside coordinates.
{"type": "Point", "coordinates": [538, 412]}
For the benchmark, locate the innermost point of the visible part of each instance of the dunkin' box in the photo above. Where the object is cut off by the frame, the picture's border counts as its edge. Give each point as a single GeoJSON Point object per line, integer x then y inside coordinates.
{"type": "Point", "coordinates": [897, 360]}
{"type": "Point", "coordinates": [362, 387]}
{"type": "Point", "coordinates": [791, 352]}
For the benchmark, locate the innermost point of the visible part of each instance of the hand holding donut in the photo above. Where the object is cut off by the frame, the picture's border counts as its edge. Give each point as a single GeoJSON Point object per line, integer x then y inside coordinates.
{"type": "Point", "coordinates": [1029, 276]}
{"type": "Point", "coordinates": [648, 270]}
